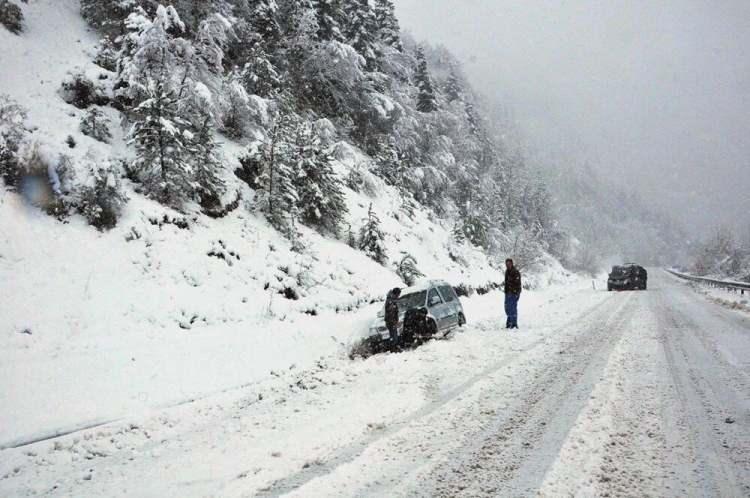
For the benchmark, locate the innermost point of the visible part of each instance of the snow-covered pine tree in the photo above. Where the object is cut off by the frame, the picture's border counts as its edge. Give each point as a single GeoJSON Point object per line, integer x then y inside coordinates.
{"type": "Point", "coordinates": [108, 16]}
{"type": "Point", "coordinates": [234, 118]}
{"type": "Point", "coordinates": [262, 16]}
{"type": "Point", "coordinates": [361, 31]}
{"type": "Point", "coordinates": [259, 76]}
{"type": "Point", "coordinates": [211, 41]}
{"type": "Point", "coordinates": [330, 14]}
{"type": "Point", "coordinates": [153, 50]}
{"type": "Point", "coordinates": [207, 165]}
{"type": "Point", "coordinates": [162, 141]}
{"type": "Point", "coordinates": [388, 26]}
{"type": "Point", "coordinates": [453, 89]}
{"type": "Point", "coordinates": [458, 235]}
{"type": "Point", "coordinates": [407, 269]}
{"type": "Point", "coordinates": [426, 100]}
{"type": "Point", "coordinates": [472, 118]}
{"type": "Point", "coordinates": [276, 194]}
{"type": "Point", "coordinates": [371, 238]}
{"type": "Point", "coordinates": [476, 229]}
{"type": "Point", "coordinates": [96, 125]}
{"type": "Point", "coordinates": [321, 198]}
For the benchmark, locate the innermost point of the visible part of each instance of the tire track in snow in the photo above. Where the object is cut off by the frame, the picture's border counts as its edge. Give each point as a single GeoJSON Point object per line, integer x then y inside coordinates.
{"type": "Point", "coordinates": [350, 453]}
{"type": "Point", "coordinates": [718, 449]}
{"type": "Point", "coordinates": [500, 463]}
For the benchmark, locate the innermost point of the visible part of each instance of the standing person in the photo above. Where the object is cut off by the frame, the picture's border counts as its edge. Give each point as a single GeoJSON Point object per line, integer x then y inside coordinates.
{"type": "Point", "coordinates": [512, 289]}
{"type": "Point", "coordinates": [391, 315]}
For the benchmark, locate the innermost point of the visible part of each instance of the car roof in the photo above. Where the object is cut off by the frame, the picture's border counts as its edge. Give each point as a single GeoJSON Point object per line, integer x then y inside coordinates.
{"type": "Point", "coordinates": [423, 285]}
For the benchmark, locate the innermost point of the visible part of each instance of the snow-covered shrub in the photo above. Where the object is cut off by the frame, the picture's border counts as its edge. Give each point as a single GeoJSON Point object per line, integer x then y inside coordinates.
{"type": "Point", "coordinates": [44, 179]}
{"type": "Point", "coordinates": [12, 117]}
{"type": "Point", "coordinates": [11, 16]}
{"type": "Point", "coordinates": [100, 197]}
{"type": "Point", "coordinates": [78, 90]}
{"type": "Point", "coordinates": [96, 125]}
{"type": "Point", "coordinates": [722, 255]}
{"type": "Point", "coordinates": [464, 290]}
{"type": "Point", "coordinates": [407, 269]}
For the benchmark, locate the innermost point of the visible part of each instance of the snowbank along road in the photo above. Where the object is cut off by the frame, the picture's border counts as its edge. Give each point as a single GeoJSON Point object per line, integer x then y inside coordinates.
{"type": "Point", "coordinates": [598, 394]}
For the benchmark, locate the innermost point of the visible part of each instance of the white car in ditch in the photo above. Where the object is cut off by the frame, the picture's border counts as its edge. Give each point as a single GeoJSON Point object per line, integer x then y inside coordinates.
{"type": "Point", "coordinates": [444, 311]}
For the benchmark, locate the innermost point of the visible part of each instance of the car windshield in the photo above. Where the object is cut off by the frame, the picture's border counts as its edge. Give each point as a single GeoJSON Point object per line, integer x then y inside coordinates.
{"type": "Point", "coordinates": [410, 301]}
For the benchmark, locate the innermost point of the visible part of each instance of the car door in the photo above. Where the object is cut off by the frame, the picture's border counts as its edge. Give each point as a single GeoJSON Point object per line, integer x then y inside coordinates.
{"type": "Point", "coordinates": [436, 307]}
{"type": "Point", "coordinates": [451, 304]}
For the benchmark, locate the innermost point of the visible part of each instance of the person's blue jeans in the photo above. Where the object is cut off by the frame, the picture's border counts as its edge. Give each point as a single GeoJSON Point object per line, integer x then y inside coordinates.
{"type": "Point", "coordinates": [393, 330]}
{"type": "Point", "coordinates": [511, 310]}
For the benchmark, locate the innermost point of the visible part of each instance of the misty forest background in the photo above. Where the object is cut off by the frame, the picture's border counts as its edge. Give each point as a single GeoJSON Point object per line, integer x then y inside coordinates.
{"type": "Point", "coordinates": [286, 81]}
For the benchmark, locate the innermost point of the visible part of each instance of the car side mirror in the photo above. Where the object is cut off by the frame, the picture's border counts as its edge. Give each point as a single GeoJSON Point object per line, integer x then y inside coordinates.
{"type": "Point", "coordinates": [435, 300]}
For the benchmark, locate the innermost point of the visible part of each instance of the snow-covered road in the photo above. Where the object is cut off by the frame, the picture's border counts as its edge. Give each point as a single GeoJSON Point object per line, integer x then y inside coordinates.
{"type": "Point", "coordinates": [599, 394]}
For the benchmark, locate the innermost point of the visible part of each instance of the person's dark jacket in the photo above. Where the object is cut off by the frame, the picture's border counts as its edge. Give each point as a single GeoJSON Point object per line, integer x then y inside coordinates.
{"type": "Point", "coordinates": [391, 310]}
{"type": "Point", "coordinates": [513, 281]}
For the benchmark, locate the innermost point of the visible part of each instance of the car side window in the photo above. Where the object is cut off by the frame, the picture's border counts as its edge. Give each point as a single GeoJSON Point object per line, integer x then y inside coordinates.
{"type": "Point", "coordinates": [447, 293]}
{"type": "Point", "coordinates": [434, 298]}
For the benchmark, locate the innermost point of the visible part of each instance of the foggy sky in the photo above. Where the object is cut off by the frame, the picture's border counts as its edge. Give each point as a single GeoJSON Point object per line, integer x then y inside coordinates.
{"type": "Point", "coordinates": [656, 91]}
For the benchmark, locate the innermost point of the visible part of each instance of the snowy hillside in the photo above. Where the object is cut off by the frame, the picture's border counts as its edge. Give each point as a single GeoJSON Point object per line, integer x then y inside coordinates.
{"type": "Point", "coordinates": [171, 305]}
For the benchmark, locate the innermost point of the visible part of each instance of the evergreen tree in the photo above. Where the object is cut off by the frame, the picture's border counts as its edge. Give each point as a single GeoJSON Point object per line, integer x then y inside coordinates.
{"type": "Point", "coordinates": [453, 88]}
{"type": "Point", "coordinates": [259, 76]}
{"type": "Point", "coordinates": [262, 16]}
{"type": "Point", "coordinates": [277, 195]}
{"type": "Point", "coordinates": [330, 14]}
{"type": "Point", "coordinates": [321, 198]}
{"type": "Point", "coordinates": [388, 26]}
{"type": "Point", "coordinates": [472, 118]}
{"type": "Point", "coordinates": [234, 119]}
{"type": "Point", "coordinates": [207, 164]}
{"type": "Point", "coordinates": [162, 142]}
{"type": "Point", "coordinates": [458, 235]}
{"type": "Point", "coordinates": [371, 238]}
{"type": "Point", "coordinates": [211, 42]}
{"type": "Point", "coordinates": [361, 31]}
{"type": "Point", "coordinates": [108, 16]}
{"type": "Point", "coordinates": [426, 101]}
{"type": "Point", "coordinates": [153, 50]}
{"type": "Point", "coordinates": [407, 269]}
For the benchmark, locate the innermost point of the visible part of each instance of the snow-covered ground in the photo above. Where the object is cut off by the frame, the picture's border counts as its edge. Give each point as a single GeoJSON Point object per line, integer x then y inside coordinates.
{"type": "Point", "coordinates": [168, 307]}
{"type": "Point", "coordinates": [598, 394]}
{"type": "Point", "coordinates": [733, 299]}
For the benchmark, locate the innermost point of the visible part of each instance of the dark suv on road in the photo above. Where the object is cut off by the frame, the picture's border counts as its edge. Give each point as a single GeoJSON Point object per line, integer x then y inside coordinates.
{"type": "Point", "coordinates": [627, 277]}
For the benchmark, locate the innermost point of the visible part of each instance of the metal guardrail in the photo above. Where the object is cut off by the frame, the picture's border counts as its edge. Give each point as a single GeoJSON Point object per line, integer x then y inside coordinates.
{"type": "Point", "coordinates": [731, 286]}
